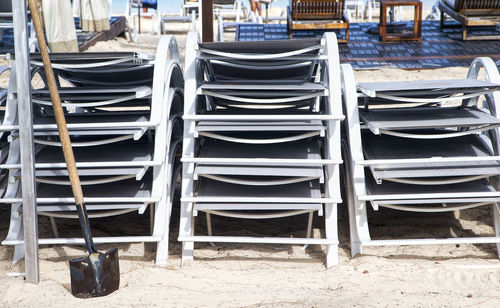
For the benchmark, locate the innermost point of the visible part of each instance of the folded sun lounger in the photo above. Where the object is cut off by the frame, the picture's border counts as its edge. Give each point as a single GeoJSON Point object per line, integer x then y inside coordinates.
{"type": "Point", "coordinates": [124, 119]}
{"type": "Point", "coordinates": [262, 138]}
{"type": "Point", "coordinates": [422, 146]}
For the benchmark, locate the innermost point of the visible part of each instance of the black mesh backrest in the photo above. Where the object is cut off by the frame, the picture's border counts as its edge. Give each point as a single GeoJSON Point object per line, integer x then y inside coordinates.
{"type": "Point", "coordinates": [268, 47]}
{"type": "Point", "coordinates": [5, 6]}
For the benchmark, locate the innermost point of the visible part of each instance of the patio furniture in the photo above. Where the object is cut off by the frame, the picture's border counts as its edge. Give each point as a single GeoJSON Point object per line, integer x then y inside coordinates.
{"type": "Point", "coordinates": [229, 14]}
{"type": "Point", "coordinates": [318, 15]}
{"type": "Point", "coordinates": [261, 138]}
{"type": "Point", "coordinates": [136, 9]}
{"type": "Point", "coordinates": [166, 19]}
{"type": "Point", "coordinates": [358, 7]}
{"type": "Point", "coordinates": [421, 147]}
{"type": "Point", "coordinates": [123, 111]}
{"type": "Point", "coordinates": [471, 13]}
{"type": "Point", "coordinates": [279, 19]}
{"type": "Point", "coordinates": [231, 9]}
{"type": "Point", "coordinates": [386, 35]}
{"type": "Point", "coordinates": [6, 22]}
{"type": "Point", "coordinates": [188, 6]}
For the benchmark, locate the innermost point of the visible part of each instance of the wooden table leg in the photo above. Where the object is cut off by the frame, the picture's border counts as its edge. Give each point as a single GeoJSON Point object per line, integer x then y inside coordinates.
{"type": "Point", "coordinates": [420, 20]}
{"type": "Point", "coordinates": [383, 21]}
{"type": "Point", "coordinates": [415, 20]}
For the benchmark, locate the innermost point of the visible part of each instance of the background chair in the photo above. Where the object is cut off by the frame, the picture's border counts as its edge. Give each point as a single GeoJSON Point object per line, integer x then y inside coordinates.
{"type": "Point", "coordinates": [188, 6]}
{"type": "Point", "coordinates": [356, 7]}
{"type": "Point", "coordinates": [471, 13]}
{"type": "Point", "coordinates": [318, 15]}
{"type": "Point", "coordinates": [134, 9]}
{"type": "Point", "coordinates": [231, 9]}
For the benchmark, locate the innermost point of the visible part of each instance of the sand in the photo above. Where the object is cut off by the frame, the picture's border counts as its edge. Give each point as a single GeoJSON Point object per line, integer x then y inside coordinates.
{"type": "Point", "coordinates": [244, 275]}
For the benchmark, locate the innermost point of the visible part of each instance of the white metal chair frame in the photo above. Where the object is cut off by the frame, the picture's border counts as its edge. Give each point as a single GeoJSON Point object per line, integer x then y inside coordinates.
{"type": "Point", "coordinates": [357, 196]}
{"type": "Point", "coordinates": [164, 19]}
{"type": "Point", "coordinates": [167, 72]}
{"type": "Point", "coordinates": [331, 79]}
{"type": "Point", "coordinates": [187, 5]}
{"type": "Point", "coordinates": [358, 7]}
{"type": "Point", "coordinates": [131, 13]}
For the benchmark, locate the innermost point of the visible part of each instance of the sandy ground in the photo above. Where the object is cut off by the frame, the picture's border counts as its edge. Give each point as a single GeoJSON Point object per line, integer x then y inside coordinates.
{"type": "Point", "coordinates": [243, 275]}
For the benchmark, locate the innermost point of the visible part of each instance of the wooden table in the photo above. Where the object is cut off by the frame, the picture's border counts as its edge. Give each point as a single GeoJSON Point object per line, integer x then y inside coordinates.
{"type": "Point", "coordinates": [416, 35]}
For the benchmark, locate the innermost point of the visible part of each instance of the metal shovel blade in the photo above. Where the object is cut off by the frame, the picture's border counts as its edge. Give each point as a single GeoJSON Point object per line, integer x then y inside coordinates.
{"type": "Point", "coordinates": [95, 275]}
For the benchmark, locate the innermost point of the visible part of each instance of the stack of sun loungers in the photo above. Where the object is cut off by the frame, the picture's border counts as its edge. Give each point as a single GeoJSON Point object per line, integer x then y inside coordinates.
{"type": "Point", "coordinates": [257, 127]}
{"type": "Point", "coordinates": [124, 118]}
{"type": "Point", "coordinates": [422, 146]}
{"type": "Point", "coordinates": [261, 136]}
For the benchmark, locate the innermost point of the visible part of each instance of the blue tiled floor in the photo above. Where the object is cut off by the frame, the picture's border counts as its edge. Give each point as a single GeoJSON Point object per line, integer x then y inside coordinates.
{"type": "Point", "coordinates": [365, 50]}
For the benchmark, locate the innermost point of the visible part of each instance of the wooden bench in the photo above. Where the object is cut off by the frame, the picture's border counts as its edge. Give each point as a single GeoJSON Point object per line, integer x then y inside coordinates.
{"type": "Point", "coordinates": [318, 15]}
{"type": "Point", "coordinates": [472, 13]}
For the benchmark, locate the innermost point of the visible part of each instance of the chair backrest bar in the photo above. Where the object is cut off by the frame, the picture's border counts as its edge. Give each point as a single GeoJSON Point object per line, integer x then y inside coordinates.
{"type": "Point", "coordinates": [316, 9]}
{"type": "Point", "coordinates": [466, 5]}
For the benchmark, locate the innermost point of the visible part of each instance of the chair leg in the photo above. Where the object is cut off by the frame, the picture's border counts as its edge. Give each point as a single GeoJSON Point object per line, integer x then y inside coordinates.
{"type": "Point", "coordinates": [496, 223]}
{"type": "Point", "coordinates": [16, 232]}
{"type": "Point", "coordinates": [54, 226]}
{"type": "Point", "coordinates": [238, 11]}
{"type": "Point", "coordinates": [153, 23]}
{"type": "Point", "coordinates": [358, 220]}
{"type": "Point", "coordinates": [151, 218]}
{"type": "Point", "coordinates": [186, 225]}
{"type": "Point", "coordinates": [162, 226]}
{"type": "Point", "coordinates": [309, 228]}
{"type": "Point", "coordinates": [355, 228]}
{"type": "Point", "coordinates": [209, 227]}
{"type": "Point", "coordinates": [356, 247]}
{"type": "Point", "coordinates": [332, 250]}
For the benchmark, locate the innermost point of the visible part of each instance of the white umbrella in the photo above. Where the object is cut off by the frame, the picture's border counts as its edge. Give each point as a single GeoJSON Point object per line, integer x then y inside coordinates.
{"type": "Point", "coordinates": [94, 15]}
{"type": "Point", "coordinates": [59, 26]}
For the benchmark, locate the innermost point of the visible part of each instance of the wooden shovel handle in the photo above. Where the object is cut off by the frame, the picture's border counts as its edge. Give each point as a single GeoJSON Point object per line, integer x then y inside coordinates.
{"type": "Point", "coordinates": [69, 157]}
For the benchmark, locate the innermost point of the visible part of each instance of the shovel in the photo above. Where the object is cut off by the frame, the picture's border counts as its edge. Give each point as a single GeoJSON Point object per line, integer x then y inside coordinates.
{"type": "Point", "coordinates": [98, 274]}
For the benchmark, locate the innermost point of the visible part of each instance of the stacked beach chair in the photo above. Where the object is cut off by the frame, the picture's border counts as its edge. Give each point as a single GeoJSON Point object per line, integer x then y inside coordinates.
{"type": "Point", "coordinates": [422, 146]}
{"type": "Point", "coordinates": [124, 118]}
{"type": "Point", "coordinates": [4, 144]}
{"type": "Point", "coordinates": [261, 137]}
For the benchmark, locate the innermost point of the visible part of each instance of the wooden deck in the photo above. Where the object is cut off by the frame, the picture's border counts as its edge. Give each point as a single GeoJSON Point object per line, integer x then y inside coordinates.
{"type": "Point", "coordinates": [366, 51]}
{"type": "Point", "coordinates": [117, 25]}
